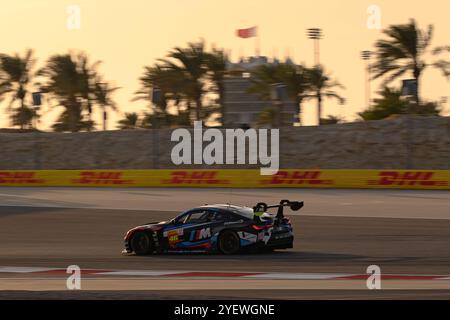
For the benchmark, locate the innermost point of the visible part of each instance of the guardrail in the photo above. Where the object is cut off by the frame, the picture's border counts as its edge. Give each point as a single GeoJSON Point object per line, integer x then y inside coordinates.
{"type": "Point", "coordinates": [292, 178]}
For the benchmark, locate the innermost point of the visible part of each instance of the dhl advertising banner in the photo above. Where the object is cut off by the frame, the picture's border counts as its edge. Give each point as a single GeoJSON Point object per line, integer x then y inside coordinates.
{"type": "Point", "coordinates": [293, 178]}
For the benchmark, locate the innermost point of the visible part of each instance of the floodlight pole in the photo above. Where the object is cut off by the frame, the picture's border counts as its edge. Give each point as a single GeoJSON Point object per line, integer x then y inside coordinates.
{"type": "Point", "coordinates": [365, 55]}
{"type": "Point", "coordinates": [315, 34]}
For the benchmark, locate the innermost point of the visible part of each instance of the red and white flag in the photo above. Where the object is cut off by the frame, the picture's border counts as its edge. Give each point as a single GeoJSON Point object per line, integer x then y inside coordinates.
{"type": "Point", "coordinates": [247, 33]}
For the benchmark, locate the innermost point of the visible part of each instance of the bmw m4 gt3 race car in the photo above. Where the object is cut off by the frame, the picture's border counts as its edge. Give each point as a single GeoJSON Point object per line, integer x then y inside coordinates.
{"type": "Point", "coordinates": [218, 228]}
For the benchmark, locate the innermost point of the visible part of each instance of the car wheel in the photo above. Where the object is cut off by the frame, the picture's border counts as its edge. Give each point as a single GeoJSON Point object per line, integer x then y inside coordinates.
{"type": "Point", "coordinates": [142, 244]}
{"type": "Point", "coordinates": [229, 242]}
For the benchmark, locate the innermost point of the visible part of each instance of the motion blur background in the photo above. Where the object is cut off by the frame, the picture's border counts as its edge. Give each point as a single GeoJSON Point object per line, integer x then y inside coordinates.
{"type": "Point", "coordinates": [165, 64]}
{"type": "Point", "coordinates": [126, 36]}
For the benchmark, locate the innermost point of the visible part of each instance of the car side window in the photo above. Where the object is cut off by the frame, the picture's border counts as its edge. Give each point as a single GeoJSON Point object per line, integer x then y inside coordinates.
{"type": "Point", "coordinates": [196, 217]}
{"type": "Point", "coordinates": [217, 216]}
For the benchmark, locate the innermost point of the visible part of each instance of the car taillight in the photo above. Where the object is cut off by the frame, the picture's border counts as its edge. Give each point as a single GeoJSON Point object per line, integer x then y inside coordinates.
{"type": "Point", "coordinates": [259, 228]}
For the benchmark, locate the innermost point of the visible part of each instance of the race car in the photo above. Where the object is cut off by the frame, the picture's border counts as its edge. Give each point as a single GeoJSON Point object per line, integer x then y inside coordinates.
{"type": "Point", "coordinates": [221, 228]}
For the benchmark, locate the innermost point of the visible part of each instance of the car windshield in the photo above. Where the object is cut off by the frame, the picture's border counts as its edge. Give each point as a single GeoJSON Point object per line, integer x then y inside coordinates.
{"type": "Point", "coordinates": [179, 218]}
{"type": "Point", "coordinates": [243, 212]}
{"type": "Point", "coordinates": [191, 217]}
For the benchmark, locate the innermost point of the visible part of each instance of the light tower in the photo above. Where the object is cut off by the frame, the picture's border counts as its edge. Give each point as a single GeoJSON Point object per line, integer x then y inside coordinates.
{"type": "Point", "coordinates": [315, 34]}
{"type": "Point", "coordinates": [365, 55]}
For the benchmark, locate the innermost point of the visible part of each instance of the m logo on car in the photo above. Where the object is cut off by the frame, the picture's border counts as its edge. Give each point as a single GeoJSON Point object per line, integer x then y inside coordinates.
{"type": "Point", "coordinates": [204, 233]}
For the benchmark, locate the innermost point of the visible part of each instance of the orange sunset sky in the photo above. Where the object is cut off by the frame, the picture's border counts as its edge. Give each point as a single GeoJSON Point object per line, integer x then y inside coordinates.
{"type": "Point", "coordinates": [126, 35]}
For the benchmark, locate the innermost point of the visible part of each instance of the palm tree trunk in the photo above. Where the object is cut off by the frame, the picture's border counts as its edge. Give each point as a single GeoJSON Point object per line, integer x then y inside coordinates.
{"type": "Point", "coordinates": [198, 106]}
{"type": "Point", "coordinates": [319, 109]}
{"type": "Point", "coordinates": [417, 94]}
{"type": "Point", "coordinates": [21, 93]}
{"type": "Point", "coordinates": [72, 115]}
{"type": "Point", "coordinates": [104, 118]}
{"type": "Point", "coordinates": [222, 105]}
{"type": "Point", "coordinates": [21, 117]}
{"type": "Point", "coordinates": [299, 111]}
{"type": "Point", "coordinates": [89, 113]}
{"type": "Point", "coordinates": [72, 120]}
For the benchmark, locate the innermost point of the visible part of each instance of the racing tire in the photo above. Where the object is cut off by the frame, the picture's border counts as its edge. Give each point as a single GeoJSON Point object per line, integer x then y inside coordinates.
{"type": "Point", "coordinates": [142, 244]}
{"type": "Point", "coordinates": [229, 242]}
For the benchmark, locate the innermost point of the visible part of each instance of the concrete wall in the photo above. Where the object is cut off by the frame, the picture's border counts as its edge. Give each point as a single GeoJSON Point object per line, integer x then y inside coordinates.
{"type": "Point", "coordinates": [403, 143]}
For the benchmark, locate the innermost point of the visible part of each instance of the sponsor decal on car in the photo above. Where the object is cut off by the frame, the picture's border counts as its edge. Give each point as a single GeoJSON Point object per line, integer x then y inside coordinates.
{"type": "Point", "coordinates": [200, 234]}
{"type": "Point", "coordinates": [267, 235]}
{"type": "Point", "coordinates": [178, 231]}
{"type": "Point", "coordinates": [173, 237]}
{"type": "Point", "coordinates": [247, 238]}
{"type": "Point", "coordinates": [233, 222]}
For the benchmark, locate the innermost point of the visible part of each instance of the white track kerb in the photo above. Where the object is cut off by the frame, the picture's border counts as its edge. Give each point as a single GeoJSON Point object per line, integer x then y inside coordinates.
{"type": "Point", "coordinates": [39, 271]}
{"type": "Point", "coordinates": [235, 148]}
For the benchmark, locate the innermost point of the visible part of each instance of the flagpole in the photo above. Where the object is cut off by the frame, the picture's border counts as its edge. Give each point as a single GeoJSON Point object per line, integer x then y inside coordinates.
{"type": "Point", "coordinates": [257, 43]}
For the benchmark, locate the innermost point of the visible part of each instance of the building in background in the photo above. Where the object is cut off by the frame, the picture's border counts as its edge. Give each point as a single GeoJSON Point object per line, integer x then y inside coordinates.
{"type": "Point", "coordinates": [243, 109]}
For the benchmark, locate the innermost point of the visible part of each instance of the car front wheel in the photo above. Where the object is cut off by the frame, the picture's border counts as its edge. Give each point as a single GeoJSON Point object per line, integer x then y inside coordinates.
{"type": "Point", "coordinates": [142, 244]}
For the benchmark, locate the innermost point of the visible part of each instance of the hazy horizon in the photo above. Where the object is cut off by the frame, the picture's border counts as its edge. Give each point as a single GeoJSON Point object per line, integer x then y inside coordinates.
{"type": "Point", "coordinates": [127, 36]}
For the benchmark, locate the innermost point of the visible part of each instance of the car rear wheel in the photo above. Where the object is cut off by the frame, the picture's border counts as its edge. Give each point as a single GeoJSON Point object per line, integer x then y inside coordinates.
{"type": "Point", "coordinates": [142, 244]}
{"type": "Point", "coordinates": [229, 242]}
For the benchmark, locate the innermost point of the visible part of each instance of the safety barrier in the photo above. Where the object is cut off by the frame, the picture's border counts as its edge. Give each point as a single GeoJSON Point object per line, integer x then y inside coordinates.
{"type": "Point", "coordinates": [292, 178]}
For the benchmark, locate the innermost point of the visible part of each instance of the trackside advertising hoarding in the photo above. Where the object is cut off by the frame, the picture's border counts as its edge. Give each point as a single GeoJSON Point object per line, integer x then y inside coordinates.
{"type": "Point", "coordinates": [292, 178]}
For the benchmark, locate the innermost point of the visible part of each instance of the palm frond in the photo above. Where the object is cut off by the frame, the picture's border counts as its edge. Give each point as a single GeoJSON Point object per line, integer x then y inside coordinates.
{"type": "Point", "coordinates": [443, 66]}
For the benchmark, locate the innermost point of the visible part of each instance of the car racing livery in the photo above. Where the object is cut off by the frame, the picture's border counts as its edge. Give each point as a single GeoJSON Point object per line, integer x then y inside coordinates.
{"type": "Point", "coordinates": [221, 228]}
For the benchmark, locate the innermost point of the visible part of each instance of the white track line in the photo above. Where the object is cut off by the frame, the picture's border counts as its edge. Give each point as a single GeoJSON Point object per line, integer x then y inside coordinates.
{"type": "Point", "coordinates": [297, 276]}
{"type": "Point", "coordinates": [25, 269]}
{"type": "Point", "coordinates": [224, 274]}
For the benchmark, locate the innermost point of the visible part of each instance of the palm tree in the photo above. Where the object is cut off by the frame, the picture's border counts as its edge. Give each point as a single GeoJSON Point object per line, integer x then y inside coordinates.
{"type": "Point", "coordinates": [16, 74]}
{"type": "Point", "coordinates": [192, 62]}
{"type": "Point", "coordinates": [330, 119]}
{"type": "Point", "coordinates": [216, 63]}
{"type": "Point", "coordinates": [268, 117]}
{"type": "Point", "coordinates": [183, 79]}
{"type": "Point", "coordinates": [63, 83]}
{"type": "Point", "coordinates": [72, 81]}
{"type": "Point", "coordinates": [294, 77]}
{"type": "Point", "coordinates": [67, 122]}
{"type": "Point", "coordinates": [173, 88]}
{"type": "Point", "coordinates": [404, 52]}
{"type": "Point", "coordinates": [296, 80]}
{"type": "Point", "coordinates": [263, 77]}
{"type": "Point", "coordinates": [322, 87]}
{"type": "Point", "coordinates": [102, 93]}
{"type": "Point", "coordinates": [131, 121]}
{"type": "Point", "coordinates": [391, 103]}
{"type": "Point", "coordinates": [88, 77]}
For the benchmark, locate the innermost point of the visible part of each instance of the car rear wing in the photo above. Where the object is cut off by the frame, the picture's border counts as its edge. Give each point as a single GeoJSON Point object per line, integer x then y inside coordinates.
{"type": "Point", "coordinates": [262, 207]}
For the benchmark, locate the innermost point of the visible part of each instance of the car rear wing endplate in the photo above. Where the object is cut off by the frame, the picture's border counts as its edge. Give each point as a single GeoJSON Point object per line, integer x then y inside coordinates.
{"type": "Point", "coordinates": [262, 207]}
